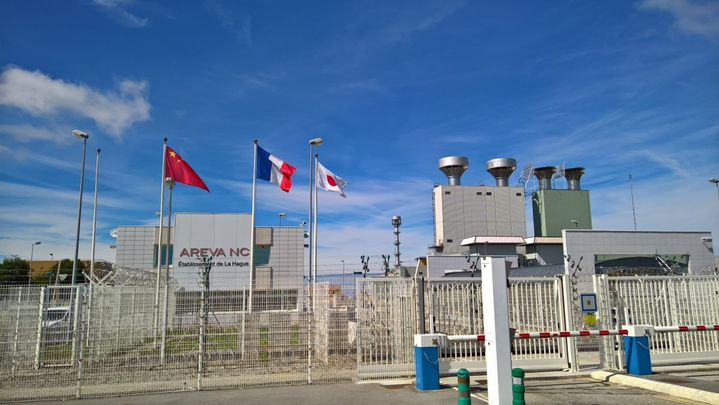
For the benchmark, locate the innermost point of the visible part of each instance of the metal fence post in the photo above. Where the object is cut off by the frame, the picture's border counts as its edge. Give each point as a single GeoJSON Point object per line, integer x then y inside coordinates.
{"type": "Point", "coordinates": [39, 328]}
{"type": "Point", "coordinates": [76, 290]}
{"type": "Point", "coordinates": [17, 331]}
{"type": "Point", "coordinates": [569, 323]}
{"type": "Point", "coordinates": [79, 338]}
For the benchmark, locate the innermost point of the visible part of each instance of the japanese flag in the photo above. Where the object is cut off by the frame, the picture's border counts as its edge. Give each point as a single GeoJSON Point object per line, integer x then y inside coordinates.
{"type": "Point", "coordinates": [326, 180]}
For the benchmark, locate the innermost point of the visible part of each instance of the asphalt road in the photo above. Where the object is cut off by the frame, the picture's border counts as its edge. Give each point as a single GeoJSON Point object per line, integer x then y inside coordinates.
{"type": "Point", "coordinates": [578, 390]}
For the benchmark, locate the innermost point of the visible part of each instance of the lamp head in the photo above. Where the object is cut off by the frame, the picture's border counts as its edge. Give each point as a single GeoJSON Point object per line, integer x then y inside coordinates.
{"type": "Point", "coordinates": [80, 134]}
{"type": "Point", "coordinates": [714, 180]}
{"type": "Point", "coordinates": [37, 243]}
{"type": "Point", "coordinates": [316, 141]}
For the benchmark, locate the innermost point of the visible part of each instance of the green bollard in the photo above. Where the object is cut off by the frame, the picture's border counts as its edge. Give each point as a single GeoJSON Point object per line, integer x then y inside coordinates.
{"type": "Point", "coordinates": [463, 387]}
{"type": "Point", "coordinates": [518, 386]}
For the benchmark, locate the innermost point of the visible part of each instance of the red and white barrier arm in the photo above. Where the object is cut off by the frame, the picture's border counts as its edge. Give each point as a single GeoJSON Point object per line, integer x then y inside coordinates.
{"type": "Point", "coordinates": [543, 335]}
{"type": "Point", "coordinates": [579, 333]}
{"type": "Point", "coordinates": [684, 328]}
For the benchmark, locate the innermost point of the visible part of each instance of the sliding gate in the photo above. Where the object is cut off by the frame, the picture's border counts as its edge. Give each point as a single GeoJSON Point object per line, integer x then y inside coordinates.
{"type": "Point", "coordinates": [387, 322]}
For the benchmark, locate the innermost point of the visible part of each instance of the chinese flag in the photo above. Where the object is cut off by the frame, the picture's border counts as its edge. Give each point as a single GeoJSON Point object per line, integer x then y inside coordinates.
{"type": "Point", "coordinates": [179, 170]}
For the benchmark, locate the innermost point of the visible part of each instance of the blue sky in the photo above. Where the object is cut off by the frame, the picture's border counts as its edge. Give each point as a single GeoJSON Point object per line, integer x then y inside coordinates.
{"type": "Point", "coordinates": [618, 87]}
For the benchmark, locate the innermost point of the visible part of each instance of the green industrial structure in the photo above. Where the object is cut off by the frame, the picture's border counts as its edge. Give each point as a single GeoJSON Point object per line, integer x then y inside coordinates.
{"type": "Point", "coordinates": [554, 210]}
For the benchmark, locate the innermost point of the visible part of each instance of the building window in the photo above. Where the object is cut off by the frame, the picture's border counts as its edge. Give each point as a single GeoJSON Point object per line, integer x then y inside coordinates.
{"type": "Point", "coordinates": [449, 240]}
{"type": "Point", "coordinates": [262, 255]}
{"type": "Point", "coordinates": [162, 254]}
{"type": "Point", "coordinates": [446, 192]}
{"type": "Point", "coordinates": [489, 193]}
{"type": "Point", "coordinates": [519, 194]}
{"type": "Point", "coordinates": [479, 193]}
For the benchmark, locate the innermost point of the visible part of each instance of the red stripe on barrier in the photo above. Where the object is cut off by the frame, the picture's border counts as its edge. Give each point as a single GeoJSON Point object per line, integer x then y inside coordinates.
{"type": "Point", "coordinates": [603, 332]}
{"type": "Point", "coordinates": [565, 334]}
{"type": "Point", "coordinates": [683, 329]}
{"type": "Point", "coordinates": [701, 327]}
{"type": "Point", "coordinates": [545, 334]}
{"type": "Point", "coordinates": [623, 332]}
{"type": "Point", "coordinates": [480, 338]}
{"type": "Point", "coordinates": [524, 335]}
{"type": "Point", "coordinates": [584, 333]}
{"type": "Point", "coordinates": [716, 327]}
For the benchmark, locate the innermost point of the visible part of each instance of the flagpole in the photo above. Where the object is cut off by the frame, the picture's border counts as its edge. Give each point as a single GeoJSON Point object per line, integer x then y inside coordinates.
{"type": "Point", "coordinates": [170, 185]}
{"type": "Point", "coordinates": [94, 216]}
{"type": "Point", "coordinates": [252, 225]}
{"type": "Point", "coordinates": [314, 237]}
{"type": "Point", "coordinates": [156, 315]}
{"type": "Point", "coordinates": [309, 230]}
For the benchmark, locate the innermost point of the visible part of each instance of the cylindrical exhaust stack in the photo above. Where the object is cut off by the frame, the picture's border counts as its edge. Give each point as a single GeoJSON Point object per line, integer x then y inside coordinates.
{"type": "Point", "coordinates": [501, 169]}
{"type": "Point", "coordinates": [545, 174]}
{"type": "Point", "coordinates": [453, 167]}
{"type": "Point", "coordinates": [573, 176]}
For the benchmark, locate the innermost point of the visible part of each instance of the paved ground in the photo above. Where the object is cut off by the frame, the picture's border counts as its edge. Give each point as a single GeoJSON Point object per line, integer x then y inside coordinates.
{"type": "Point", "coordinates": [553, 390]}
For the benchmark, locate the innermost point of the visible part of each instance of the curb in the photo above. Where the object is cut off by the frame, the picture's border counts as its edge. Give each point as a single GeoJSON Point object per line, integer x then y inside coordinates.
{"type": "Point", "coordinates": [691, 394]}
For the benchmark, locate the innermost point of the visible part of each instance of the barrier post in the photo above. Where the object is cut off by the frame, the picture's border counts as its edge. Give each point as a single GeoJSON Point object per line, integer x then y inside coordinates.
{"type": "Point", "coordinates": [636, 347]}
{"type": "Point", "coordinates": [497, 344]}
{"type": "Point", "coordinates": [426, 358]}
{"type": "Point", "coordinates": [463, 387]}
{"type": "Point", "coordinates": [518, 386]}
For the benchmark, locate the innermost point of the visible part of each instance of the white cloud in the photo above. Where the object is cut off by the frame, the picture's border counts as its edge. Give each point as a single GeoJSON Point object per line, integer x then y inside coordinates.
{"type": "Point", "coordinates": [695, 17]}
{"type": "Point", "coordinates": [42, 96]}
{"type": "Point", "coordinates": [116, 9]}
{"type": "Point", "coordinates": [28, 133]}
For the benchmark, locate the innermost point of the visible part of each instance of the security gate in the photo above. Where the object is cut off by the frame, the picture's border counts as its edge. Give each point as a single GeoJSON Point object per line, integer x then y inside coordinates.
{"type": "Point", "coordinates": [661, 301]}
{"type": "Point", "coordinates": [387, 321]}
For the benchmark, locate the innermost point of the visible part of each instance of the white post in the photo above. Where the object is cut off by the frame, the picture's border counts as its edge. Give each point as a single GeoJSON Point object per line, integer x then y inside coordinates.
{"type": "Point", "coordinates": [75, 320]}
{"type": "Point", "coordinates": [252, 225]}
{"type": "Point", "coordinates": [156, 314]}
{"type": "Point", "coordinates": [170, 186]}
{"type": "Point", "coordinates": [496, 329]}
{"type": "Point", "coordinates": [313, 253]}
{"type": "Point", "coordinates": [17, 330]}
{"type": "Point", "coordinates": [39, 328]}
{"type": "Point", "coordinates": [94, 217]}
{"type": "Point", "coordinates": [78, 391]}
{"type": "Point", "coordinates": [569, 321]}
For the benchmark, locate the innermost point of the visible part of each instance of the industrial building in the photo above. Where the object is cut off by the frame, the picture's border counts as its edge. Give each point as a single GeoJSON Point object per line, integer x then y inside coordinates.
{"type": "Point", "coordinates": [472, 221]}
{"type": "Point", "coordinates": [279, 251]}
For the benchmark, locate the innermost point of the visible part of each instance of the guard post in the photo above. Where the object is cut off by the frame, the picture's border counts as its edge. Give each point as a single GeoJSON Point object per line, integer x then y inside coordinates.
{"type": "Point", "coordinates": [463, 387]}
{"type": "Point", "coordinates": [636, 349]}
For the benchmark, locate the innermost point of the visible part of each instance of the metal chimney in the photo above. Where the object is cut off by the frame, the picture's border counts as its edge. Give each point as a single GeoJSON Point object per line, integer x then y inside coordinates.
{"type": "Point", "coordinates": [544, 174]}
{"type": "Point", "coordinates": [453, 167]}
{"type": "Point", "coordinates": [501, 169]}
{"type": "Point", "coordinates": [573, 175]}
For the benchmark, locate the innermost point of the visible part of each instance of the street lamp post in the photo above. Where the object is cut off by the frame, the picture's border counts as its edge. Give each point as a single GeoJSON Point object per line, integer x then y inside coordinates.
{"type": "Point", "coordinates": [52, 259]}
{"type": "Point", "coordinates": [313, 144]}
{"type": "Point", "coordinates": [575, 222]}
{"type": "Point", "coordinates": [32, 252]}
{"type": "Point", "coordinates": [83, 136]}
{"type": "Point", "coordinates": [281, 215]}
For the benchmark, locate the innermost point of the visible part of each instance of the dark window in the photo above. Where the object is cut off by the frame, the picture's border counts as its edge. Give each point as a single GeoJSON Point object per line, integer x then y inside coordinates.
{"type": "Point", "coordinates": [446, 192]}
{"type": "Point", "coordinates": [164, 250]}
{"type": "Point", "coordinates": [519, 194]}
{"type": "Point", "coordinates": [449, 240]}
{"type": "Point", "coordinates": [489, 193]}
{"type": "Point", "coordinates": [262, 255]}
{"type": "Point", "coordinates": [479, 193]}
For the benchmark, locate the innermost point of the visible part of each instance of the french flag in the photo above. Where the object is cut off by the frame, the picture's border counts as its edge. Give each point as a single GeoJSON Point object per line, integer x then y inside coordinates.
{"type": "Point", "coordinates": [271, 168]}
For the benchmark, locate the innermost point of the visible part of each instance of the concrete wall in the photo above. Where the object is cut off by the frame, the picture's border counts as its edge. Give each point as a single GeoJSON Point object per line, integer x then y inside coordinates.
{"type": "Point", "coordinates": [465, 211]}
{"type": "Point", "coordinates": [588, 243]}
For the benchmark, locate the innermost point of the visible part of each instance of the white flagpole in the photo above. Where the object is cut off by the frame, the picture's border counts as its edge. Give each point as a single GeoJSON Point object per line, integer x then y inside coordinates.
{"type": "Point", "coordinates": [170, 185]}
{"type": "Point", "coordinates": [159, 246]}
{"type": "Point", "coordinates": [309, 228]}
{"type": "Point", "coordinates": [94, 216]}
{"type": "Point", "coordinates": [314, 237]}
{"type": "Point", "coordinates": [252, 234]}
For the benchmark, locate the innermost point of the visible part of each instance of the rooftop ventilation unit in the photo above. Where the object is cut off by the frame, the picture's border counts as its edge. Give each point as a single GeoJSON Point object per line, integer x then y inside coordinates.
{"type": "Point", "coordinates": [544, 174]}
{"type": "Point", "coordinates": [501, 169]}
{"type": "Point", "coordinates": [573, 175]}
{"type": "Point", "coordinates": [453, 167]}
